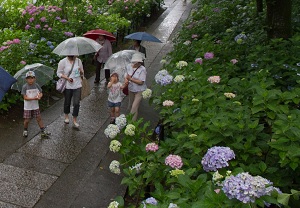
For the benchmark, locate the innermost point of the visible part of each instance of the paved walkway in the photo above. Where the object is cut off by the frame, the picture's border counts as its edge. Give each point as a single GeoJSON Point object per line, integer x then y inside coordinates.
{"type": "Point", "coordinates": [71, 168]}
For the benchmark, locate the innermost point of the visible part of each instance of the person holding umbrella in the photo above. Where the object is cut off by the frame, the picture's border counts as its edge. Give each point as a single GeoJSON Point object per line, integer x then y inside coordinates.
{"type": "Point", "coordinates": [135, 78]}
{"type": "Point", "coordinates": [101, 56]}
{"type": "Point", "coordinates": [32, 93]}
{"type": "Point", "coordinates": [71, 69]}
{"type": "Point", "coordinates": [138, 47]}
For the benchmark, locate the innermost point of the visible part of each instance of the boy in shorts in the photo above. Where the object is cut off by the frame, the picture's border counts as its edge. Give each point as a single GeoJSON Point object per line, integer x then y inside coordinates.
{"type": "Point", "coordinates": [115, 96]}
{"type": "Point", "coordinates": [32, 93]}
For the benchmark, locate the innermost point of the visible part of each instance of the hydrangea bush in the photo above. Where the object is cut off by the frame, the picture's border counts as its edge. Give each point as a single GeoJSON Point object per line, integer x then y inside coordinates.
{"type": "Point", "coordinates": [240, 92]}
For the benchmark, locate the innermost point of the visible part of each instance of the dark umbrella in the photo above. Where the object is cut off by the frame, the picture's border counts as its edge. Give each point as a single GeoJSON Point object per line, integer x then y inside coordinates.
{"type": "Point", "coordinates": [143, 36]}
{"type": "Point", "coordinates": [94, 34]}
{"type": "Point", "coordinates": [6, 81]}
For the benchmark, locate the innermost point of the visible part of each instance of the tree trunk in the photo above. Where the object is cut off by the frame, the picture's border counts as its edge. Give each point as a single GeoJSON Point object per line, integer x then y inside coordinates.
{"type": "Point", "coordinates": [259, 6]}
{"type": "Point", "coordinates": [279, 14]}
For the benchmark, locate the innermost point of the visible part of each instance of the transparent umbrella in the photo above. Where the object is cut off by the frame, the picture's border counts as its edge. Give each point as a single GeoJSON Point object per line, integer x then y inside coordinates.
{"type": "Point", "coordinates": [77, 46]}
{"type": "Point", "coordinates": [42, 72]}
{"type": "Point", "coordinates": [117, 62]}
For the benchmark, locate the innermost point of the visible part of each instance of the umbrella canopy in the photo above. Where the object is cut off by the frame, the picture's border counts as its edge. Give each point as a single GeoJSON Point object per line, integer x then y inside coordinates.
{"type": "Point", "coordinates": [94, 34]}
{"type": "Point", "coordinates": [76, 46]}
{"type": "Point", "coordinates": [118, 61]}
{"type": "Point", "coordinates": [143, 36]}
{"type": "Point", "coordinates": [42, 72]}
{"type": "Point", "coordinates": [6, 80]}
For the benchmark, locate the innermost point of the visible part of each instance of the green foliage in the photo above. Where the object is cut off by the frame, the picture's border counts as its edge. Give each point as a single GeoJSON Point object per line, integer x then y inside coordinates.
{"type": "Point", "coordinates": [260, 122]}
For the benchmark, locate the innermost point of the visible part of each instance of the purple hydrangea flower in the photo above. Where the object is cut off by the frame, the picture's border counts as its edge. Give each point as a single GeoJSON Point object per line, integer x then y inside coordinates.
{"type": "Point", "coordinates": [163, 77]}
{"type": "Point", "coordinates": [247, 188]}
{"type": "Point", "coordinates": [217, 157]}
{"type": "Point", "coordinates": [209, 55]}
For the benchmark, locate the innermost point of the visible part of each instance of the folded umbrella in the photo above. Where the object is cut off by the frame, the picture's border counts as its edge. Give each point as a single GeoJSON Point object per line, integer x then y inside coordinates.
{"type": "Point", "coordinates": [42, 72]}
{"type": "Point", "coordinates": [94, 34]}
{"type": "Point", "coordinates": [6, 81]}
{"type": "Point", "coordinates": [77, 46]}
{"type": "Point", "coordinates": [143, 36]}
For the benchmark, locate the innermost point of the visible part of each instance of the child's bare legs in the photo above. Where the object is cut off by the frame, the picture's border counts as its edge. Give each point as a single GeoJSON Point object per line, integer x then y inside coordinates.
{"type": "Point", "coordinates": [117, 112]}
{"type": "Point", "coordinates": [26, 122]}
{"type": "Point", "coordinates": [112, 114]}
{"type": "Point", "coordinates": [40, 122]}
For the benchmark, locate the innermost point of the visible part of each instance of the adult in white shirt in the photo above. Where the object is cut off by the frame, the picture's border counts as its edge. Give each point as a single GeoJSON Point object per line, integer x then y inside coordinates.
{"type": "Point", "coordinates": [135, 77]}
{"type": "Point", "coordinates": [73, 86]}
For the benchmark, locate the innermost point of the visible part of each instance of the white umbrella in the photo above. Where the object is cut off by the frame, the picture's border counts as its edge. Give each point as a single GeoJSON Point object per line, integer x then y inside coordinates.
{"type": "Point", "coordinates": [77, 46]}
{"type": "Point", "coordinates": [117, 62]}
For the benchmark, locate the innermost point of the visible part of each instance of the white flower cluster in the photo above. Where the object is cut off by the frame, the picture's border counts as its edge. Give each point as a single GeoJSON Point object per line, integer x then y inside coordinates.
{"type": "Point", "coordinates": [147, 93]}
{"type": "Point", "coordinates": [113, 204]}
{"type": "Point", "coordinates": [114, 167]}
{"type": "Point", "coordinates": [115, 146]}
{"type": "Point", "coordinates": [181, 64]}
{"type": "Point", "coordinates": [111, 131]}
{"type": "Point", "coordinates": [163, 61]}
{"type": "Point", "coordinates": [163, 77]}
{"type": "Point", "coordinates": [229, 95]}
{"type": "Point", "coordinates": [179, 78]}
{"type": "Point", "coordinates": [136, 167]}
{"type": "Point", "coordinates": [121, 121]}
{"type": "Point", "coordinates": [129, 131]}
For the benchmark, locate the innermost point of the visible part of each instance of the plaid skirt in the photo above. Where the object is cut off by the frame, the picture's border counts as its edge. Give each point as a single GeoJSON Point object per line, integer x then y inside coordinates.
{"type": "Point", "coordinates": [31, 113]}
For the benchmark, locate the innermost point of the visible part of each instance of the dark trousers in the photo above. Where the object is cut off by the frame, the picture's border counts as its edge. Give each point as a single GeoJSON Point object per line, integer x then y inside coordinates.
{"type": "Point", "coordinates": [99, 66]}
{"type": "Point", "coordinates": [69, 94]}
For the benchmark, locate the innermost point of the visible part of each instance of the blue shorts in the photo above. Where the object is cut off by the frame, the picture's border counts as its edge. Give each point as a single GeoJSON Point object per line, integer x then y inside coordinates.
{"type": "Point", "coordinates": [112, 105]}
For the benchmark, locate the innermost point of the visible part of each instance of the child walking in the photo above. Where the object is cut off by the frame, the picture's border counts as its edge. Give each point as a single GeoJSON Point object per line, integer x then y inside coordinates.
{"type": "Point", "coordinates": [32, 93]}
{"type": "Point", "coordinates": [115, 96]}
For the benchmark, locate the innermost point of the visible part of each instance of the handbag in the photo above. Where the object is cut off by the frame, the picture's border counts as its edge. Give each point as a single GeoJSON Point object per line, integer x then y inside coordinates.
{"type": "Point", "coordinates": [85, 89]}
{"type": "Point", "coordinates": [61, 83]}
{"type": "Point", "coordinates": [125, 89]}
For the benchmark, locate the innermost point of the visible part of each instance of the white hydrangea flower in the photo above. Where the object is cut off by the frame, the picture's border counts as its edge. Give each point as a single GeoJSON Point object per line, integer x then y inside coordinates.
{"type": "Point", "coordinates": [136, 167]}
{"type": "Point", "coordinates": [113, 204]}
{"type": "Point", "coordinates": [147, 93]}
{"type": "Point", "coordinates": [130, 130]}
{"type": "Point", "coordinates": [111, 131]}
{"type": "Point", "coordinates": [179, 78]}
{"type": "Point", "coordinates": [121, 121]}
{"type": "Point", "coordinates": [115, 146]}
{"type": "Point", "coordinates": [114, 167]}
{"type": "Point", "coordinates": [181, 64]}
{"type": "Point", "coordinates": [187, 42]}
{"type": "Point", "coordinates": [163, 61]}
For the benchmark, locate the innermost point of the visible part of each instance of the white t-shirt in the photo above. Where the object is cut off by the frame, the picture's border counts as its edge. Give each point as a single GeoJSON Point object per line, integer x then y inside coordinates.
{"type": "Point", "coordinates": [139, 74]}
{"type": "Point", "coordinates": [31, 91]}
{"type": "Point", "coordinates": [115, 93]}
{"type": "Point", "coordinates": [64, 67]}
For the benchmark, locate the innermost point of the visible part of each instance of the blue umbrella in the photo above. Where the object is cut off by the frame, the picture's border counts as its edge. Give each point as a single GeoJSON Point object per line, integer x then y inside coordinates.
{"type": "Point", "coordinates": [6, 81]}
{"type": "Point", "coordinates": [143, 36]}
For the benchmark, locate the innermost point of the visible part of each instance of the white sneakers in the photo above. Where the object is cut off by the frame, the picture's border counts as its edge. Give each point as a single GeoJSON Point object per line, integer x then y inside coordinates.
{"type": "Point", "coordinates": [76, 125]}
{"type": "Point", "coordinates": [25, 133]}
{"type": "Point", "coordinates": [67, 121]}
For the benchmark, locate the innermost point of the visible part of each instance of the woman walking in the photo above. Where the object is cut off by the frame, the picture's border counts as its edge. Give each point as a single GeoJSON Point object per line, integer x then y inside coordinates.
{"type": "Point", "coordinates": [71, 69]}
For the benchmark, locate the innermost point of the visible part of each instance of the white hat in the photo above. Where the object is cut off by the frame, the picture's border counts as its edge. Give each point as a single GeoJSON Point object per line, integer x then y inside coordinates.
{"type": "Point", "coordinates": [30, 74]}
{"type": "Point", "coordinates": [137, 57]}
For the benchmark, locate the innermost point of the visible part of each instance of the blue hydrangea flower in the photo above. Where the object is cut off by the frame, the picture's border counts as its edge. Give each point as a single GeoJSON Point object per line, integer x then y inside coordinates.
{"type": "Point", "coordinates": [247, 188]}
{"type": "Point", "coordinates": [217, 157]}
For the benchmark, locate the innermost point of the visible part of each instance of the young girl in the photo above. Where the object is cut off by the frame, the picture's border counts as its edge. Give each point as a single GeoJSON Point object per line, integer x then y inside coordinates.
{"type": "Point", "coordinates": [115, 96]}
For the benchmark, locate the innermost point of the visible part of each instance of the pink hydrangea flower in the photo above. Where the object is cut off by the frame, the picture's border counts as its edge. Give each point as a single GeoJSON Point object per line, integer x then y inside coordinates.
{"type": "Point", "coordinates": [208, 55]}
{"type": "Point", "coordinates": [27, 27]}
{"type": "Point", "coordinates": [194, 36]}
{"type": "Point", "coordinates": [199, 60]}
{"type": "Point", "coordinates": [89, 11]}
{"type": "Point", "coordinates": [214, 79]}
{"type": "Point", "coordinates": [31, 19]}
{"type": "Point", "coordinates": [233, 61]}
{"type": "Point", "coordinates": [174, 161]}
{"type": "Point", "coordinates": [49, 28]}
{"type": "Point", "coordinates": [152, 147]}
{"type": "Point", "coordinates": [16, 41]}
{"type": "Point", "coordinates": [37, 26]}
{"type": "Point", "coordinates": [168, 103]}
{"type": "Point", "coordinates": [43, 19]}
{"type": "Point", "coordinates": [23, 62]}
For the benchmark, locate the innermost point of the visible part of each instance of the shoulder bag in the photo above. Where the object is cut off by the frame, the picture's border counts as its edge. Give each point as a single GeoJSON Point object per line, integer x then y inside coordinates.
{"type": "Point", "coordinates": [125, 89]}
{"type": "Point", "coordinates": [61, 83]}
